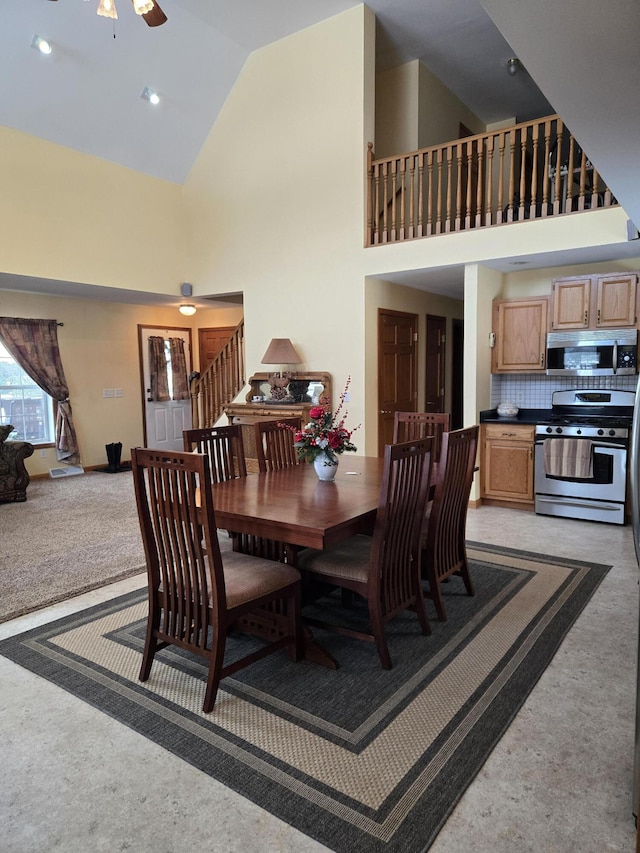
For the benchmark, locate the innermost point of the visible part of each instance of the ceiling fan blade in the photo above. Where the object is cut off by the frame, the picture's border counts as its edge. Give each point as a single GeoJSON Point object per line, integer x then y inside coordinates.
{"type": "Point", "coordinates": [156, 17]}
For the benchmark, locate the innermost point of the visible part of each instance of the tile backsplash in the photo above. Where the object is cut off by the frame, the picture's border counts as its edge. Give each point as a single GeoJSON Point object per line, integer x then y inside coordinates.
{"type": "Point", "coordinates": [531, 391]}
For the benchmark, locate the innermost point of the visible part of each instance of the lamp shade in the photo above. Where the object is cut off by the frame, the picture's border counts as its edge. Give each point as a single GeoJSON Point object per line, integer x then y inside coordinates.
{"type": "Point", "coordinates": [280, 351]}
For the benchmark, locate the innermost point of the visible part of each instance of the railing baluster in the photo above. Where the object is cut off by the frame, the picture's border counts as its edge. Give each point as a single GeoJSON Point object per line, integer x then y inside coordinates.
{"type": "Point", "coordinates": [403, 179]}
{"type": "Point", "coordinates": [385, 199]}
{"type": "Point", "coordinates": [421, 191]}
{"type": "Point", "coordinates": [501, 149]}
{"type": "Point", "coordinates": [558, 177]}
{"type": "Point", "coordinates": [480, 183]}
{"type": "Point", "coordinates": [533, 210]}
{"type": "Point", "coordinates": [394, 198]}
{"type": "Point", "coordinates": [512, 167]}
{"type": "Point", "coordinates": [570, 171]}
{"type": "Point", "coordinates": [412, 196]}
{"type": "Point", "coordinates": [523, 173]}
{"type": "Point", "coordinates": [583, 178]}
{"type": "Point", "coordinates": [467, 213]}
{"type": "Point", "coordinates": [488, 218]}
{"type": "Point", "coordinates": [547, 160]}
{"type": "Point", "coordinates": [458, 218]}
{"type": "Point", "coordinates": [439, 190]}
{"type": "Point", "coordinates": [449, 211]}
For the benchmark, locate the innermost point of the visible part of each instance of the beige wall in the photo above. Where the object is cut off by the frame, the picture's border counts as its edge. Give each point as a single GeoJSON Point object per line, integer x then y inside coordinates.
{"type": "Point", "coordinates": [275, 206]}
{"type": "Point", "coordinates": [99, 349]}
{"type": "Point", "coordinates": [415, 110]}
{"type": "Point", "coordinates": [68, 216]}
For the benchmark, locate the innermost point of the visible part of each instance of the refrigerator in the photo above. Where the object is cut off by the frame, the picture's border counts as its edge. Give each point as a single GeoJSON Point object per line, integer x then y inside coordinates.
{"type": "Point", "coordinates": [634, 484]}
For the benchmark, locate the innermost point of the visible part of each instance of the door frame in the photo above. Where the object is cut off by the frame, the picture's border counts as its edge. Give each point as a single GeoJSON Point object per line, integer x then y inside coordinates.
{"type": "Point", "coordinates": [414, 374]}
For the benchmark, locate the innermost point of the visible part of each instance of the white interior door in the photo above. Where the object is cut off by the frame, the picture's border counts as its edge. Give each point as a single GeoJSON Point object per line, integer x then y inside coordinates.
{"type": "Point", "coordinates": [164, 422]}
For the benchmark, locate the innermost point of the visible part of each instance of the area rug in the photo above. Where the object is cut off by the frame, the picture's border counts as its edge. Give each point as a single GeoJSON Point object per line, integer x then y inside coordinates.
{"type": "Point", "coordinates": [357, 758]}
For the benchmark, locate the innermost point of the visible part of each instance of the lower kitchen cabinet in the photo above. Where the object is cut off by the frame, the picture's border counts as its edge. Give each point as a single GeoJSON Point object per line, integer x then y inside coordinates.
{"type": "Point", "coordinates": [506, 472]}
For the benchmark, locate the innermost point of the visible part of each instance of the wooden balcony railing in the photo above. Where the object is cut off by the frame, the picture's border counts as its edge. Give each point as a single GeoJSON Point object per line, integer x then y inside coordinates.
{"type": "Point", "coordinates": [528, 171]}
{"type": "Point", "coordinates": [220, 383]}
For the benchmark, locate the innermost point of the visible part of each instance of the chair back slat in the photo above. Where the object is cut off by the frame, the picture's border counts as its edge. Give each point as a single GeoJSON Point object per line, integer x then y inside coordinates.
{"type": "Point", "coordinates": [409, 426]}
{"type": "Point", "coordinates": [395, 545]}
{"type": "Point", "coordinates": [224, 447]}
{"type": "Point", "coordinates": [274, 444]}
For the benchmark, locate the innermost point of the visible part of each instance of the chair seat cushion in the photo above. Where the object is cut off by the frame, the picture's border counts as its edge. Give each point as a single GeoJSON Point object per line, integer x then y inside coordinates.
{"type": "Point", "coordinates": [247, 577]}
{"type": "Point", "coordinates": [349, 559]}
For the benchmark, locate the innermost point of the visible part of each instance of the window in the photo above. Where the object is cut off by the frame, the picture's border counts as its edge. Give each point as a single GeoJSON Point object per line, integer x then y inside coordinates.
{"type": "Point", "coordinates": [24, 404]}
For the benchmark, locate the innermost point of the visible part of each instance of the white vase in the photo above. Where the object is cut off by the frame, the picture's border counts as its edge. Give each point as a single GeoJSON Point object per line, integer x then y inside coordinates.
{"type": "Point", "coordinates": [326, 465]}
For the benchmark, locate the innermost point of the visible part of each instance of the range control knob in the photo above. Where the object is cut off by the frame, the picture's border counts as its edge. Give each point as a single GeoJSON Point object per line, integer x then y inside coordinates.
{"type": "Point", "coordinates": [578, 432]}
{"type": "Point", "coordinates": [600, 432]}
{"type": "Point", "coordinates": [612, 432]}
{"type": "Point", "coordinates": [549, 429]}
{"type": "Point", "coordinates": [558, 429]}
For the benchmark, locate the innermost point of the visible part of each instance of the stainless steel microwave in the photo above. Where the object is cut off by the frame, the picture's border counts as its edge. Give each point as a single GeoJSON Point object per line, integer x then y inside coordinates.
{"type": "Point", "coordinates": [601, 352]}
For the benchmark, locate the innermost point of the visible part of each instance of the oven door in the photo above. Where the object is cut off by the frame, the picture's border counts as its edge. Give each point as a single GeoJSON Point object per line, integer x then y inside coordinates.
{"type": "Point", "coordinates": [609, 474]}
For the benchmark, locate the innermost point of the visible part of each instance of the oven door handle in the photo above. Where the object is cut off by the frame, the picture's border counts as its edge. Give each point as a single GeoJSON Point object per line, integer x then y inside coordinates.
{"type": "Point", "coordinates": [596, 445]}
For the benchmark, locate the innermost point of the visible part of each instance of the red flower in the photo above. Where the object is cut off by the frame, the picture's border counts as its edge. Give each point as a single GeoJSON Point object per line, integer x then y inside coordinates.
{"type": "Point", "coordinates": [316, 413]}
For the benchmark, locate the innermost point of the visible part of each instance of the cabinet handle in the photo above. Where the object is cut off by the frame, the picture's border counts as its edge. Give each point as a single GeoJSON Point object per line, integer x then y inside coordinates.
{"type": "Point", "coordinates": [586, 317]}
{"type": "Point", "coordinates": [531, 452]}
{"type": "Point", "coordinates": [508, 434]}
{"type": "Point", "coordinates": [542, 360]}
{"type": "Point", "coordinates": [598, 316]}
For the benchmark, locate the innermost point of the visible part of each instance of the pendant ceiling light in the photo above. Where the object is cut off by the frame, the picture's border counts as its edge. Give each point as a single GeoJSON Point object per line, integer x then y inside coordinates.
{"type": "Point", "coordinates": [107, 9]}
{"type": "Point", "coordinates": [148, 10]}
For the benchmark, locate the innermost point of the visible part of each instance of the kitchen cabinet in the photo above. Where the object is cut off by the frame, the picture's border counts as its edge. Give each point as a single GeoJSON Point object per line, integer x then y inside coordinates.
{"type": "Point", "coordinates": [506, 471]}
{"type": "Point", "coordinates": [594, 302]}
{"type": "Point", "coordinates": [520, 329]}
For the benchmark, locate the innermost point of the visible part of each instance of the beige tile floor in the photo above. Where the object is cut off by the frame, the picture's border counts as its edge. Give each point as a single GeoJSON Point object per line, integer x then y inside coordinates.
{"type": "Point", "coordinates": [559, 781]}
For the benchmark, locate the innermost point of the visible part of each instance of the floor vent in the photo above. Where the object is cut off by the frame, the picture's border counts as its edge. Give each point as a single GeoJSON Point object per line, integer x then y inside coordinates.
{"type": "Point", "coordinates": [68, 471]}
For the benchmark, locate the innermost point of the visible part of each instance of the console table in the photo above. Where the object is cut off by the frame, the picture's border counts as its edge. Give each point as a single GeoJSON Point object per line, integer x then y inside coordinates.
{"type": "Point", "coordinates": [304, 389]}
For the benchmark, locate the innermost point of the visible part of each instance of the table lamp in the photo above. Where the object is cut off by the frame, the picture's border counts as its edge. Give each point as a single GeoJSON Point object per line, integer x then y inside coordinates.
{"type": "Point", "coordinates": [280, 351]}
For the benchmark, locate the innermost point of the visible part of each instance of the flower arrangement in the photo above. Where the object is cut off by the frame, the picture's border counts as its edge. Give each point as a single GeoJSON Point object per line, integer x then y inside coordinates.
{"type": "Point", "coordinates": [325, 434]}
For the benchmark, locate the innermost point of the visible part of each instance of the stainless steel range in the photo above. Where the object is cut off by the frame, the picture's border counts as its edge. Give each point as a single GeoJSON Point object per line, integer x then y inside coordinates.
{"type": "Point", "coordinates": [580, 468]}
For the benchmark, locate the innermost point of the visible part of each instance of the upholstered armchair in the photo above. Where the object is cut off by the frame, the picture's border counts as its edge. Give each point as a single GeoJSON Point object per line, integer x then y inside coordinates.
{"type": "Point", "coordinates": [14, 477]}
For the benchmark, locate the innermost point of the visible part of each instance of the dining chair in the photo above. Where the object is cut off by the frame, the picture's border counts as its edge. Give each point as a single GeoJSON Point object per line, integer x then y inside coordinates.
{"type": "Point", "coordinates": [195, 597]}
{"type": "Point", "coordinates": [224, 447]}
{"type": "Point", "coordinates": [383, 568]}
{"type": "Point", "coordinates": [408, 426]}
{"type": "Point", "coordinates": [444, 549]}
{"type": "Point", "coordinates": [274, 444]}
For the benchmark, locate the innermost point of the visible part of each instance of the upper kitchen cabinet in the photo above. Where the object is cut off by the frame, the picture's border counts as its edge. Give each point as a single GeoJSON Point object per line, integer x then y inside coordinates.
{"type": "Point", "coordinates": [520, 328]}
{"type": "Point", "coordinates": [594, 302]}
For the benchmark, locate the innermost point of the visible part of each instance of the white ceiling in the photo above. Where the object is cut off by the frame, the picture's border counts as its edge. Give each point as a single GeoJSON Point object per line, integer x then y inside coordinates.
{"type": "Point", "coordinates": [86, 95]}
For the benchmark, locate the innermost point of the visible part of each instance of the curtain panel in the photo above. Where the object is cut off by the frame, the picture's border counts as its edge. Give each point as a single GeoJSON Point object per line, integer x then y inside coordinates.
{"type": "Point", "coordinates": [179, 369]}
{"type": "Point", "coordinates": [158, 370]}
{"type": "Point", "coordinates": [34, 345]}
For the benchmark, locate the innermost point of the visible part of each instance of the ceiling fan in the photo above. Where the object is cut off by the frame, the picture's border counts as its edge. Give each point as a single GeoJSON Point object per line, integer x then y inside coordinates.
{"type": "Point", "coordinates": [147, 9]}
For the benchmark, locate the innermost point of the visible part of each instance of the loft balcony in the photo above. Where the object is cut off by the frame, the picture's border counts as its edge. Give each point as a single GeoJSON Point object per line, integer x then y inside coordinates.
{"type": "Point", "coordinates": [532, 170]}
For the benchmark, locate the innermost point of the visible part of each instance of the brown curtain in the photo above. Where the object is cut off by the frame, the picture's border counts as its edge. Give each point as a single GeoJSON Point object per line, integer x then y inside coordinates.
{"type": "Point", "coordinates": [179, 369]}
{"type": "Point", "coordinates": [158, 370]}
{"type": "Point", "coordinates": [34, 345]}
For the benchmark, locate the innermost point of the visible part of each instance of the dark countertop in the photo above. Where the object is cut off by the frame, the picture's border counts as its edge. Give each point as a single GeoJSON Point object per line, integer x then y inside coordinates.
{"type": "Point", "coordinates": [524, 416]}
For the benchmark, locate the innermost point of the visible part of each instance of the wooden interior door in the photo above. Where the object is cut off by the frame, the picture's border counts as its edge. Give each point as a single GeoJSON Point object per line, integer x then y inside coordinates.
{"type": "Point", "coordinates": [435, 363]}
{"type": "Point", "coordinates": [397, 374]}
{"type": "Point", "coordinates": [457, 374]}
{"type": "Point", "coordinates": [210, 342]}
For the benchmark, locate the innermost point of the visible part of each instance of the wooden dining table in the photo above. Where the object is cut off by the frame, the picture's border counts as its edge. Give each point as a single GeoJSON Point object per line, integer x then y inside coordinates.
{"type": "Point", "coordinates": [293, 507]}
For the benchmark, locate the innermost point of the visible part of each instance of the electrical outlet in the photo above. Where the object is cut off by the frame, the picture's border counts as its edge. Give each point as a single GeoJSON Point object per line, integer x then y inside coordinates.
{"type": "Point", "coordinates": [108, 392]}
{"type": "Point", "coordinates": [43, 454]}
{"type": "Point", "coordinates": [119, 392]}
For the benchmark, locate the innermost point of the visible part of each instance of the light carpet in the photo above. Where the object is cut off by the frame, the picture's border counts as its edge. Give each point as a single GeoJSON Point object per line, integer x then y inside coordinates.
{"type": "Point", "coordinates": [68, 537]}
{"type": "Point", "coordinates": [360, 759]}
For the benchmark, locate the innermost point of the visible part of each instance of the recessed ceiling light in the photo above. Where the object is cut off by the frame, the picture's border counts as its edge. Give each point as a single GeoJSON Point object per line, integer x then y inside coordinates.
{"type": "Point", "coordinates": [41, 44]}
{"type": "Point", "coordinates": [150, 95]}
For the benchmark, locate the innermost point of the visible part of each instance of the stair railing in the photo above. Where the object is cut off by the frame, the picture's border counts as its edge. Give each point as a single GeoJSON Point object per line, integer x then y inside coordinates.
{"type": "Point", "coordinates": [220, 383]}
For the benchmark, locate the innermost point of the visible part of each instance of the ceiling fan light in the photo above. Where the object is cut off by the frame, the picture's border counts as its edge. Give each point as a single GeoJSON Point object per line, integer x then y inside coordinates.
{"type": "Point", "coordinates": [107, 8]}
{"type": "Point", "coordinates": [187, 310]}
{"type": "Point", "coordinates": [141, 7]}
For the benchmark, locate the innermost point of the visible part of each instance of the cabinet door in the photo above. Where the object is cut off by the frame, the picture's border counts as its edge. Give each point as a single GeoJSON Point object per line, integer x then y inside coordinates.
{"type": "Point", "coordinates": [508, 466]}
{"type": "Point", "coordinates": [616, 300]}
{"type": "Point", "coordinates": [570, 306]}
{"type": "Point", "coordinates": [520, 327]}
